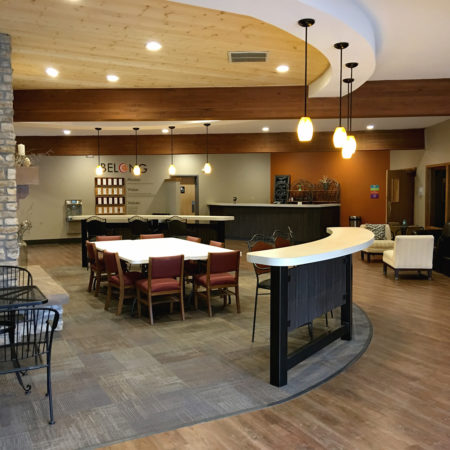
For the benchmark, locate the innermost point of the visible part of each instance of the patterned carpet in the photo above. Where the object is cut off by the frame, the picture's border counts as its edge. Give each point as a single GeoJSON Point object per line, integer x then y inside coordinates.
{"type": "Point", "coordinates": [117, 378]}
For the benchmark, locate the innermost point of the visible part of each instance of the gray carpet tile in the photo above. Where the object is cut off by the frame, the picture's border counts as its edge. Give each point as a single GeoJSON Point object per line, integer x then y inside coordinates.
{"type": "Point", "coordinates": [117, 377]}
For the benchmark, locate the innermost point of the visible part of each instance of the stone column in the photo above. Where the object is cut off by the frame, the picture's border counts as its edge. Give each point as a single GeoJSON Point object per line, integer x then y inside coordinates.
{"type": "Point", "coordinates": [9, 250]}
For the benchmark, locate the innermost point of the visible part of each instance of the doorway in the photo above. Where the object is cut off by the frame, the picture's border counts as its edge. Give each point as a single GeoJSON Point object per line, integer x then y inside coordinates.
{"type": "Point", "coordinates": [400, 195]}
{"type": "Point", "coordinates": [437, 196]}
{"type": "Point", "coordinates": [186, 194]}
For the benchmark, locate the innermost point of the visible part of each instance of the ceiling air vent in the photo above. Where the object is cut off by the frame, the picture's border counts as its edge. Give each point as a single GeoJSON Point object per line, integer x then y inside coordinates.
{"type": "Point", "coordinates": [235, 57]}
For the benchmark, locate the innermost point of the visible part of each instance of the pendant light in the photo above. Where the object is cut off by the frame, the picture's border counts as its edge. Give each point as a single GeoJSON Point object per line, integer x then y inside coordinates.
{"type": "Point", "coordinates": [136, 168]}
{"type": "Point", "coordinates": [172, 169]}
{"type": "Point", "coordinates": [207, 167]}
{"type": "Point", "coordinates": [99, 168]}
{"type": "Point", "coordinates": [351, 141]}
{"type": "Point", "coordinates": [340, 135]}
{"type": "Point", "coordinates": [346, 149]}
{"type": "Point", "coordinates": [305, 127]}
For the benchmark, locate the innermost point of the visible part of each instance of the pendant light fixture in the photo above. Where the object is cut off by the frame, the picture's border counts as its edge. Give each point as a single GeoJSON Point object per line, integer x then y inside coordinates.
{"type": "Point", "coordinates": [136, 168]}
{"type": "Point", "coordinates": [172, 169]}
{"type": "Point", "coordinates": [305, 127]}
{"type": "Point", "coordinates": [207, 167]}
{"type": "Point", "coordinates": [346, 149]}
{"type": "Point", "coordinates": [351, 141]}
{"type": "Point", "coordinates": [99, 168]}
{"type": "Point", "coordinates": [340, 135]}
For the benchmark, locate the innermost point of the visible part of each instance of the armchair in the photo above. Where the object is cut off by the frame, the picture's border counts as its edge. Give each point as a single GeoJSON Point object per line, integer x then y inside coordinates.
{"type": "Point", "coordinates": [410, 253]}
{"type": "Point", "coordinates": [383, 240]}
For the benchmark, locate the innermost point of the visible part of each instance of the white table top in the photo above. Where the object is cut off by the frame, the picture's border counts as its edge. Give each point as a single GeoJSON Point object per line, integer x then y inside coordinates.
{"type": "Point", "coordinates": [123, 218]}
{"type": "Point", "coordinates": [342, 241]}
{"type": "Point", "coordinates": [139, 250]}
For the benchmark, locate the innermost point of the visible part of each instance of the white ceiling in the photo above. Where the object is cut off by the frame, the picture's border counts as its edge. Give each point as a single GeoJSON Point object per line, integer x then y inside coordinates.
{"type": "Point", "coordinates": [217, 126]}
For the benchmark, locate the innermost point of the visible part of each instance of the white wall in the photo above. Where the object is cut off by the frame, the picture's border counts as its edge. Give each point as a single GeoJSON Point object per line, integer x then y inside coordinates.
{"type": "Point", "coordinates": [437, 151]}
{"type": "Point", "coordinates": [246, 176]}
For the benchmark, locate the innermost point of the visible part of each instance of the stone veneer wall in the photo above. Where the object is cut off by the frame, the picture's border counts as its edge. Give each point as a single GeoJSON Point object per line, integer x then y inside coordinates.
{"type": "Point", "coordinates": [9, 250]}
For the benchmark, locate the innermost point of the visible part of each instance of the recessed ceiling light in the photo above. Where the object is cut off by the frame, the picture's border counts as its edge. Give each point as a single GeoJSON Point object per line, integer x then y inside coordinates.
{"type": "Point", "coordinates": [52, 72]}
{"type": "Point", "coordinates": [370, 127]}
{"type": "Point", "coordinates": [153, 46]}
{"type": "Point", "coordinates": [66, 132]}
{"type": "Point", "coordinates": [165, 130]}
{"type": "Point", "coordinates": [265, 129]}
{"type": "Point", "coordinates": [282, 68]}
{"type": "Point", "coordinates": [112, 78]}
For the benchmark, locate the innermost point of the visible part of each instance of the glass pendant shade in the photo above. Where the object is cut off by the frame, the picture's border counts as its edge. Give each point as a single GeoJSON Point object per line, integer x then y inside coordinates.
{"type": "Point", "coordinates": [346, 152]}
{"type": "Point", "coordinates": [207, 168]}
{"type": "Point", "coordinates": [172, 170]}
{"type": "Point", "coordinates": [99, 170]}
{"type": "Point", "coordinates": [136, 170]}
{"type": "Point", "coordinates": [305, 129]}
{"type": "Point", "coordinates": [351, 143]}
{"type": "Point", "coordinates": [339, 137]}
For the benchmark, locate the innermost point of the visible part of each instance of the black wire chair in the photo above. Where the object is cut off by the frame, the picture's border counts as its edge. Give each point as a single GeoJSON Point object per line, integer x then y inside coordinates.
{"type": "Point", "coordinates": [26, 336]}
{"type": "Point", "coordinates": [96, 226]}
{"type": "Point", "coordinates": [14, 276]}
{"type": "Point", "coordinates": [177, 227]}
{"type": "Point", "coordinates": [138, 225]}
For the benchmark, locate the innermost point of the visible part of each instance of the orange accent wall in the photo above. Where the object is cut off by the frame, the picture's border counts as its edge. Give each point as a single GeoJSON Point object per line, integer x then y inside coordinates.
{"type": "Point", "coordinates": [355, 176]}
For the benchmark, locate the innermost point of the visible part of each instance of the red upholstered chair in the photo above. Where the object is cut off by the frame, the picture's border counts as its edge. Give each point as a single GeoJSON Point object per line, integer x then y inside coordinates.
{"type": "Point", "coordinates": [222, 273]}
{"type": "Point", "coordinates": [217, 244]}
{"type": "Point", "coordinates": [165, 279]}
{"type": "Point", "coordinates": [109, 238]}
{"type": "Point", "coordinates": [119, 279]}
{"type": "Point", "coordinates": [96, 267]}
{"type": "Point", "coordinates": [152, 236]}
{"type": "Point", "coordinates": [194, 239]}
{"type": "Point", "coordinates": [191, 267]}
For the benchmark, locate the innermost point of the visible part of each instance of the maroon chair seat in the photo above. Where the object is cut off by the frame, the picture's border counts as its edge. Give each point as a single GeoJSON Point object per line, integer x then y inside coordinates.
{"type": "Point", "coordinates": [119, 279]}
{"type": "Point", "coordinates": [222, 274]}
{"type": "Point", "coordinates": [165, 281]}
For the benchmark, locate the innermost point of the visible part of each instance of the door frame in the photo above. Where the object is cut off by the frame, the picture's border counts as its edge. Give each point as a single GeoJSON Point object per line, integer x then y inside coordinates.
{"type": "Point", "coordinates": [428, 177]}
{"type": "Point", "coordinates": [190, 178]}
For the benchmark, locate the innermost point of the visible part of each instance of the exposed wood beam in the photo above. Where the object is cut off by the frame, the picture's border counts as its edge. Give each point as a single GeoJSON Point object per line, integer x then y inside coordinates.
{"type": "Point", "coordinates": [219, 143]}
{"type": "Point", "coordinates": [373, 99]}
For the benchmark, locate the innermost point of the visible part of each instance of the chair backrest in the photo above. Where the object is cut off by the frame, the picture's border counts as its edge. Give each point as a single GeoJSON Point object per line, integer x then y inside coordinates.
{"type": "Point", "coordinates": [177, 226]}
{"type": "Point", "coordinates": [166, 267]}
{"type": "Point", "coordinates": [95, 226]}
{"type": "Point", "coordinates": [387, 230]}
{"type": "Point", "coordinates": [224, 262]}
{"type": "Point", "coordinates": [415, 252]}
{"type": "Point", "coordinates": [109, 238]}
{"type": "Point", "coordinates": [256, 246]}
{"type": "Point", "coordinates": [282, 239]}
{"type": "Point", "coordinates": [138, 225]}
{"type": "Point", "coordinates": [12, 276]}
{"type": "Point", "coordinates": [217, 244]}
{"type": "Point", "coordinates": [112, 263]}
{"type": "Point", "coordinates": [27, 333]}
{"type": "Point", "coordinates": [152, 236]}
{"type": "Point", "coordinates": [194, 239]}
{"type": "Point", "coordinates": [90, 252]}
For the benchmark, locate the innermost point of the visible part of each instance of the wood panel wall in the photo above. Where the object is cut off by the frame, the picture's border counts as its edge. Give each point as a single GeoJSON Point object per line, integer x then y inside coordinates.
{"type": "Point", "coordinates": [402, 98]}
{"type": "Point", "coordinates": [218, 143]}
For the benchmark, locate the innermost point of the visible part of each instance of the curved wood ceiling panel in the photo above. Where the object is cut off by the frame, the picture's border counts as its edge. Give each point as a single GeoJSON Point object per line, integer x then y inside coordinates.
{"type": "Point", "coordinates": [87, 40]}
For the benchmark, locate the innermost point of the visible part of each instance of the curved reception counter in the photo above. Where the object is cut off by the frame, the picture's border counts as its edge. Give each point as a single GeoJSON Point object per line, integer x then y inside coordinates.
{"type": "Point", "coordinates": [308, 221]}
{"type": "Point", "coordinates": [307, 281]}
{"type": "Point", "coordinates": [206, 227]}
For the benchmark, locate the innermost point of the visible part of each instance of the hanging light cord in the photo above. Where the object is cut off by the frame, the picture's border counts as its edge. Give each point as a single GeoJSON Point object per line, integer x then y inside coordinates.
{"type": "Point", "coordinates": [171, 144]}
{"type": "Point", "coordinates": [340, 92]}
{"type": "Point", "coordinates": [351, 97]}
{"type": "Point", "coordinates": [98, 144]}
{"type": "Point", "coordinates": [207, 135]}
{"type": "Point", "coordinates": [135, 131]}
{"type": "Point", "coordinates": [306, 65]}
{"type": "Point", "coordinates": [349, 109]}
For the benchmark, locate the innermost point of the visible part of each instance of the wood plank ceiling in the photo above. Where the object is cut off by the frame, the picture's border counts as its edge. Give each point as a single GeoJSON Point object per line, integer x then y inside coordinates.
{"type": "Point", "coordinates": [86, 41]}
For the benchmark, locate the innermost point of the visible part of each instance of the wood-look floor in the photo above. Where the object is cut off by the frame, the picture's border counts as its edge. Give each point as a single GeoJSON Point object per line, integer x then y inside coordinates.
{"type": "Point", "coordinates": [396, 396]}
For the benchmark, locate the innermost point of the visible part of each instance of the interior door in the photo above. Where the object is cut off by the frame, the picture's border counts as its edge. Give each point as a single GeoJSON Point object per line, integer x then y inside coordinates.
{"type": "Point", "coordinates": [400, 195]}
{"type": "Point", "coordinates": [187, 199]}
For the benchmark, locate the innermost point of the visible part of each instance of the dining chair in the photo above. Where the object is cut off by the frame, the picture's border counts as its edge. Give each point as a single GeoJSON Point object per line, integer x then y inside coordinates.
{"type": "Point", "coordinates": [152, 236]}
{"type": "Point", "coordinates": [95, 226]}
{"type": "Point", "coordinates": [282, 239]}
{"type": "Point", "coordinates": [176, 226]}
{"type": "Point", "coordinates": [12, 276]}
{"type": "Point", "coordinates": [217, 244]}
{"type": "Point", "coordinates": [165, 281]}
{"type": "Point", "coordinates": [222, 273]}
{"type": "Point", "coordinates": [256, 244]}
{"type": "Point", "coordinates": [194, 239]}
{"type": "Point", "coordinates": [119, 279]}
{"type": "Point", "coordinates": [26, 337]}
{"type": "Point", "coordinates": [109, 238]}
{"type": "Point", "coordinates": [96, 267]}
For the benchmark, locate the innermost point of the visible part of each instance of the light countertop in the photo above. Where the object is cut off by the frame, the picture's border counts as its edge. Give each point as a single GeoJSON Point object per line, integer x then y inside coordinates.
{"type": "Point", "coordinates": [278, 205]}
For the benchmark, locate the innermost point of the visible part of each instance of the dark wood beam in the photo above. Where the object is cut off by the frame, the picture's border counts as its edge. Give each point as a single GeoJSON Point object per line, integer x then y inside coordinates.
{"type": "Point", "coordinates": [373, 99]}
{"type": "Point", "coordinates": [218, 143]}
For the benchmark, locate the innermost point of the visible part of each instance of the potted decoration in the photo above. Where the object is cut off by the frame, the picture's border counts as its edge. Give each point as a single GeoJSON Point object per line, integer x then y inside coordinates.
{"type": "Point", "coordinates": [325, 182]}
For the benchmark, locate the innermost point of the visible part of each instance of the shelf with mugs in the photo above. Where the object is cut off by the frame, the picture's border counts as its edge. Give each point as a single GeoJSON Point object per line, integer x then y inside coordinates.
{"type": "Point", "coordinates": [110, 195]}
{"type": "Point", "coordinates": [326, 191]}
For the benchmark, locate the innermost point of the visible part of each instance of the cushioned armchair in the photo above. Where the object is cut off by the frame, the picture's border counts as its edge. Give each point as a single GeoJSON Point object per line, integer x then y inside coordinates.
{"type": "Point", "coordinates": [383, 240]}
{"type": "Point", "coordinates": [410, 253]}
